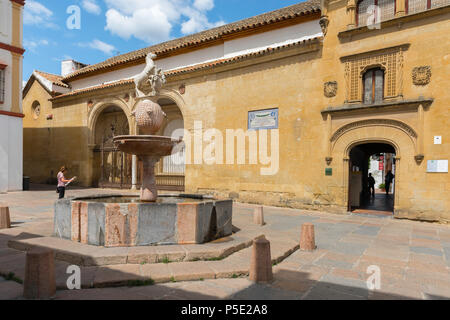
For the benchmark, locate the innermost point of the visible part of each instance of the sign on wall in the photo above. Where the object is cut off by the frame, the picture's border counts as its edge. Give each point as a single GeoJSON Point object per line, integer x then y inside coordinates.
{"type": "Point", "coordinates": [263, 119]}
{"type": "Point", "coordinates": [437, 166]}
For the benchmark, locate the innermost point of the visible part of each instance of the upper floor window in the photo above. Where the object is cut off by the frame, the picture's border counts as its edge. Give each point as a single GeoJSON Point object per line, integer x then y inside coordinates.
{"type": "Point", "coordinates": [2, 83]}
{"type": "Point", "coordinates": [414, 6]}
{"type": "Point", "coordinates": [373, 81]}
{"type": "Point", "coordinates": [374, 11]}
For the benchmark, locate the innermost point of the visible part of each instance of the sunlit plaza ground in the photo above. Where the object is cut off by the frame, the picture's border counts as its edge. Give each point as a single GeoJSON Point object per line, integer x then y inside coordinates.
{"type": "Point", "coordinates": [414, 258]}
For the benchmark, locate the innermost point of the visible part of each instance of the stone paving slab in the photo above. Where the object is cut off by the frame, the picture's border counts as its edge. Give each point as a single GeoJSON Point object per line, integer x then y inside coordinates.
{"type": "Point", "coordinates": [10, 290]}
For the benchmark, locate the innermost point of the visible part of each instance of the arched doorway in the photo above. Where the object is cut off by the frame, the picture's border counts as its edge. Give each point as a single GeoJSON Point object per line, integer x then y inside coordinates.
{"type": "Point", "coordinates": [111, 168]}
{"type": "Point", "coordinates": [371, 164]}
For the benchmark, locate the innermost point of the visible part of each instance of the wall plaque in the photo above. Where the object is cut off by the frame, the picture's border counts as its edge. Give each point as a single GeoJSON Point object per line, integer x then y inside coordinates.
{"type": "Point", "coordinates": [263, 119]}
{"type": "Point", "coordinates": [437, 166]}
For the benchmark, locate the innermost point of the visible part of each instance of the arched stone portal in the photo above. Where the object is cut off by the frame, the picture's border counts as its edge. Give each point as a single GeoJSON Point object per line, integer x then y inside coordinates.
{"type": "Point", "coordinates": [110, 167]}
{"type": "Point", "coordinates": [398, 135]}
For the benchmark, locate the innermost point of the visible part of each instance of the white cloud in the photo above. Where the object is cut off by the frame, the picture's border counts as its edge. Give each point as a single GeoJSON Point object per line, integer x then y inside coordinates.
{"type": "Point", "coordinates": [91, 6]}
{"type": "Point", "coordinates": [32, 45]}
{"type": "Point", "coordinates": [197, 22]}
{"type": "Point", "coordinates": [204, 5]}
{"type": "Point", "coordinates": [99, 45]}
{"type": "Point", "coordinates": [37, 14]}
{"type": "Point", "coordinates": [154, 20]}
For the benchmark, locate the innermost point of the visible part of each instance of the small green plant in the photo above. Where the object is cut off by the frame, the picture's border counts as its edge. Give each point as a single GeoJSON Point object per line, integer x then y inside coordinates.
{"type": "Point", "coordinates": [165, 260]}
{"type": "Point", "coordinates": [173, 280]}
{"type": "Point", "coordinates": [140, 283]}
{"type": "Point", "coordinates": [201, 279]}
{"type": "Point", "coordinates": [215, 259]}
{"type": "Point", "coordinates": [196, 259]}
{"type": "Point", "coordinates": [11, 277]}
{"type": "Point", "coordinates": [274, 264]}
{"type": "Point", "coordinates": [234, 276]}
{"type": "Point", "coordinates": [382, 186]}
{"type": "Point", "coordinates": [143, 263]}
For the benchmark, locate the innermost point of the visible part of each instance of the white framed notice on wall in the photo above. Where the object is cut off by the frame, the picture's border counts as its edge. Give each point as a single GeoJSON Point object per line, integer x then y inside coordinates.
{"type": "Point", "coordinates": [263, 119]}
{"type": "Point", "coordinates": [437, 166]}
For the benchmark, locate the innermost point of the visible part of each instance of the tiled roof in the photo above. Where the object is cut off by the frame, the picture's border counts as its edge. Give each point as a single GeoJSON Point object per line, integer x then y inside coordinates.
{"type": "Point", "coordinates": [54, 78]}
{"type": "Point", "coordinates": [197, 67]}
{"type": "Point", "coordinates": [95, 88]}
{"type": "Point", "coordinates": [291, 12]}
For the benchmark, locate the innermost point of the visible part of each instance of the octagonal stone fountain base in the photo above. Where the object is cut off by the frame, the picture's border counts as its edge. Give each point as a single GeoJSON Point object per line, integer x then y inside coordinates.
{"type": "Point", "coordinates": [117, 221]}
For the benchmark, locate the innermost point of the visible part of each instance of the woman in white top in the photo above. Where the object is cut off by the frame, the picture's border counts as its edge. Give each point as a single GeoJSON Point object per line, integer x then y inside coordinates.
{"type": "Point", "coordinates": [62, 181]}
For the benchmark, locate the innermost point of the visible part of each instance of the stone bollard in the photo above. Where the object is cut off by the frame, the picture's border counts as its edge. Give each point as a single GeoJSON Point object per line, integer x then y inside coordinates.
{"type": "Point", "coordinates": [307, 239]}
{"type": "Point", "coordinates": [39, 282]}
{"type": "Point", "coordinates": [258, 216]}
{"type": "Point", "coordinates": [5, 221]}
{"type": "Point", "coordinates": [261, 263]}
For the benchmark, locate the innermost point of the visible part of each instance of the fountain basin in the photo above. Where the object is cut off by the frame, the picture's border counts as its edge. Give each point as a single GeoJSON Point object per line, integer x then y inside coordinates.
{"type": "Point", "coordinates": [118, 221]}
{"type": "Point", "coordinates": [155, 146]}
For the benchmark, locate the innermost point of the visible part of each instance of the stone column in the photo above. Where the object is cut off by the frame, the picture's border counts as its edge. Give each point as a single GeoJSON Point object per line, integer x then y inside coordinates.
{"type": "Point", "coordinates": [400, 8]}
{"type": "Point", "coordinates": [134, 172]}
{"type": "Point", "coordinates": [5, 221]}
{"type": "Point", "coordinates": [149, 193]}
{"type": "Point", "coordinates": [258, 216]}
{"type": "Point", "coordinates": [307, 238]}
{"type": "Point", "coordinates": [329, 158]}
{"type": "Point", "coordinates": [39, 282]}
{"type": "Point", "coordinates": [261, 263]}
{"type": "Point", "coordinates": [420, 121]}
{"type": "Point", "coordinates": [351, 12]}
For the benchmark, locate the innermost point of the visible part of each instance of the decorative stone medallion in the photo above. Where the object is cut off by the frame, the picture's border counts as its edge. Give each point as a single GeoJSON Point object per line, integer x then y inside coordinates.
{"type": "Point", "coordinates": [37, 111]}
{"type": "Point", "coordinates": [330, 89]}
{"type": "Point", "coordinates": [182, 89]}
{"type": "Point", "coordinates": [324, 22]}
{"type": "Point", "coordinates": [421, 75]}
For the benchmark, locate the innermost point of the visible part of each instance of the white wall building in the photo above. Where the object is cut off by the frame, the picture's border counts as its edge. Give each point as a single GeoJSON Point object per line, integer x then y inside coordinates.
{"type": "Point", "coordinates": [11, 127]}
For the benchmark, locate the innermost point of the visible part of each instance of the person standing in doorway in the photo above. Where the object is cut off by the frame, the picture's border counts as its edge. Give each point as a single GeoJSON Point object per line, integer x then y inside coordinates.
{"type": "Point", "coordinates": [371, 182]}
{"type": "Point", "coordinates": [62, 182]}
{"type": "Point", "coordinates": [388, 181]}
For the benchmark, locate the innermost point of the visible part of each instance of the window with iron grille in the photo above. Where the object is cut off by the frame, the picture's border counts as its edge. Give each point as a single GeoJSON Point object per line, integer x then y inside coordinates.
{"type": "Point", "coordinates": [2, 85]}
{"type": "Point", "coordinates": [374, 11]}
{"type": "Point", "coordinates": [415, 6]}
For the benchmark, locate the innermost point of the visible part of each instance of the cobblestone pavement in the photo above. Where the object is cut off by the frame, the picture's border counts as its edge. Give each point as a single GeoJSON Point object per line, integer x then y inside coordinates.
{"type": "Point", "coordinates": [414, 257]}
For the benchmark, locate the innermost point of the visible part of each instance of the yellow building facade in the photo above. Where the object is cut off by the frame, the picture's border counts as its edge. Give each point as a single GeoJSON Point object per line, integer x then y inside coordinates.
{"type": "Point", "coordinates": [338, 86]}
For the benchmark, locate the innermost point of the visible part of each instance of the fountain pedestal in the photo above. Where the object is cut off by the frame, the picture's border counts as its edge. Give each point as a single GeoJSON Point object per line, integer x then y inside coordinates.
{"type": "Point", "coordinates": [149, 192]}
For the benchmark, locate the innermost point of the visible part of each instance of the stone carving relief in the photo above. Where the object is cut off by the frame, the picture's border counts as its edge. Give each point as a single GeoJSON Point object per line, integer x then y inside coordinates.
{"type": "Point", "coordinates": [389, 59]}
{"type": "Point", "coordinates": [36, 111]}
{"type": "Point", "coordinates": [330, 89]}
{"type": "Point", "coordinates": [150, 80]}
{"type": "Point", "coordinates": [421, 75]}
{"type": "Point", "coordinates": [324, 22]}
{"type": "Point", "coordinates": [182, 89]}
{"type": "Point", "coordinates": [372, 122]}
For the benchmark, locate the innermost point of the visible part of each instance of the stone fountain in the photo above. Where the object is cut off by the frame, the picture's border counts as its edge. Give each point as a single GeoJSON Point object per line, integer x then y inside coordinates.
{"type": "Point", "coordinates": [121, 221]}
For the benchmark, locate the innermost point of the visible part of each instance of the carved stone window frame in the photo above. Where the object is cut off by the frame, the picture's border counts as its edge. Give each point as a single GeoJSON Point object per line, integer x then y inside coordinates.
{"type": "Point", "coordinates": [389, 59]}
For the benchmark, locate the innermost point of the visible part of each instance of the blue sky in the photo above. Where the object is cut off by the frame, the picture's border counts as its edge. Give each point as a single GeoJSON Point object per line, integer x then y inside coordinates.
{"type": "Point", "coordinates": [110, 27]}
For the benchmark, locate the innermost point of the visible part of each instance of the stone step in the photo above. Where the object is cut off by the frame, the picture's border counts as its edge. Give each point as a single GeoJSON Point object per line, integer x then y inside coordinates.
{"type": "Point", "coordinates": [86, 255]}
{"type": "Point", "coordinates": [116, 275]}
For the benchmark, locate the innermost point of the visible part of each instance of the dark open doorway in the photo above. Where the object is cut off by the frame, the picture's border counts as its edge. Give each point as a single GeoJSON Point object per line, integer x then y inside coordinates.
{"type": "Point", "coordinates": [372, 162]}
